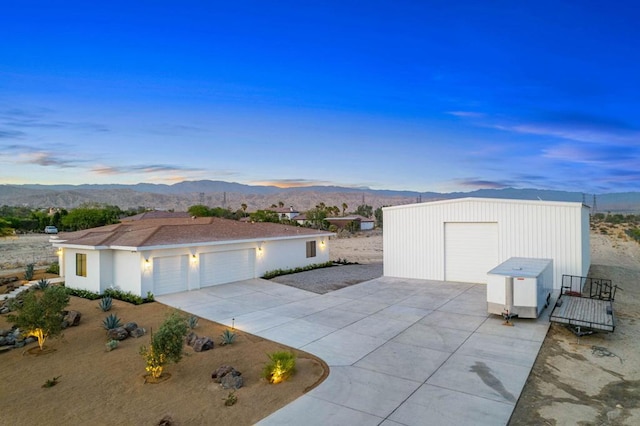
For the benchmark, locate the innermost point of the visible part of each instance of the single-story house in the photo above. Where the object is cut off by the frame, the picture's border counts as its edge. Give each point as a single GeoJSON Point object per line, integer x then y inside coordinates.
{"type": "Point", "coordinates": [365, 223]}
{"type": "Point", "coordinates": [173, 254]}
{"type": "Point", "coordinates": [284, 212]}
{"type": "Point", "coordinates": [463, 239]}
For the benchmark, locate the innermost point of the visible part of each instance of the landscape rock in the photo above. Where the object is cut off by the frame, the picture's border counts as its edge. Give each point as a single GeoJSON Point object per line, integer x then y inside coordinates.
{"type": "Point", "coordinates": [137, 332]}
{"type": "Point", "coordinates": [5, 310]}
{"type": "Point", "coordinates": [4, 332]}
{"type": "Point", "coordinates": [224, 370]}
{"type": "Point", "coordinates": [130, 326]}
{"type": "Point", "coordinates": [72, 318]}
{"type": "Point", "coordinates": [191, 338]}
{"type": "Point", "coordinates": [203, 344]}
{"type": "Point", "coordinates": [119, 333]}
{"type": "Point", "coordinates": [232, 382]}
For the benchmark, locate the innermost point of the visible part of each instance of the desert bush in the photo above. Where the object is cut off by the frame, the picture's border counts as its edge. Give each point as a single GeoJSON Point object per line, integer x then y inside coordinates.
{"type": "Point", "coordinates": [280, 367]}
{"type": "Point", "coordinates": [112, 344]}
{"type": "Point", "coordinates": [85, 294]}
{"type": "Point", "coordinates": [278, 272]}
{"type": "Point", "coordinates": [166, 344]}
{"type": "Point", "coordinates": [111, 322]}
{"type": "Point", "coordinates": [54, 268]}
{"type": "Point", "coordinates": [125, 296]}
{"type": "Point", "coordinates": [106, 303]}
{"type": "Point", "coordinates": [29, 271]}
{"type": "Point", "coordinates": [41, 315]}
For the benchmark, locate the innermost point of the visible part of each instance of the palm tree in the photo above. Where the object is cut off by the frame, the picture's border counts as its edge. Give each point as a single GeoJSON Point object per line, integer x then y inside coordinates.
{"type": "Point", "coordinates": [344, 208]}
{"type": "Point", "coordinates": [244, 208]}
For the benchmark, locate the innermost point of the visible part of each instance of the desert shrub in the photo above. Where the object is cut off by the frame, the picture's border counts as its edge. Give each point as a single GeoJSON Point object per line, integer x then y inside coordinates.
{"type": "Point", "coordinates": [111, 322]}
{"type": "Point", "coordinates": [166, 344]}
{"type": "Point", "coordinates": [41, 315]}
{"type": "Point", "coordinates": [125, 296]}
{"type": "Point", "coordinates": [278, 272]}
{"type": "Point", "coordinates": [54, 268]}
{"type": "Point", "coordinates": [112, 344]}
{"type": "Point", "coordinates": [280, 367]}
{"type": "Point", "coordinates": [106, 303]}
{"type": "Point", "coordinates": [29, 271]}
{"type": "Point", "coordinates": [85, 294]}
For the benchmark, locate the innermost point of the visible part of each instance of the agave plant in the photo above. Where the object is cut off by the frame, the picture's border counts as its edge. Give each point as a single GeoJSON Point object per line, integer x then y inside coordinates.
{"type": "Point", "coordinates": [43, 283]}
{"type": "Point", "coordinates": [105, 303]}
{"type": "Point", "coordinates": [228, 337]}
{"type": "Point", "coordinates": [112, 321]}
{"type": "Point", "coordinates": [192, 322]}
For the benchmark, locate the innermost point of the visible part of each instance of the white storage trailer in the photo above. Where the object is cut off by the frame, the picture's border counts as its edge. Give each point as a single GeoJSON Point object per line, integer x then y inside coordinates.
{"type": "Point", "coordinates": [520, 286]}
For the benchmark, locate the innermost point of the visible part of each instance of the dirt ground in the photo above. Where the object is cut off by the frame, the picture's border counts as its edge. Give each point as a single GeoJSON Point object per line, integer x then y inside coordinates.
{"type": "Point", "coordinates": [108, 388]}
{"type": "Point", "coordinates": [595, 379]}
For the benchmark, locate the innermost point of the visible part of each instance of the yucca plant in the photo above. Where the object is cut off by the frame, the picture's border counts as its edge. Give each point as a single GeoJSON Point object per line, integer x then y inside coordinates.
{"type": "Point", "coordinates": [112, 321]}
{"type": "Point", "coordinates": [105, 303]}
{"type": "Point", "coordinates": [43, 283]}
{"type": "Point", "coordinates": [227, 337]}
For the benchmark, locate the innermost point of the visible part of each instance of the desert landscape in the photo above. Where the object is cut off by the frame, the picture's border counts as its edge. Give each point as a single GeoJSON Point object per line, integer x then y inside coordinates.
{"type": "Point", "coordinates": [593, 379]}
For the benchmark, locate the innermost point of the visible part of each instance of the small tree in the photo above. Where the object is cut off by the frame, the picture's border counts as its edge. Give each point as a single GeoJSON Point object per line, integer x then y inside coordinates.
{"type": "Point", "coordinates": [41, 316]}
{"type": "Point", "coordinates": [166, 344]}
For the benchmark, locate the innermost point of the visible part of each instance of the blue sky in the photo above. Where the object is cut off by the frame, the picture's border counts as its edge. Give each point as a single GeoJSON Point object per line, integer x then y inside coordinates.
{"type": "Point", "coordinates": [411, 95]}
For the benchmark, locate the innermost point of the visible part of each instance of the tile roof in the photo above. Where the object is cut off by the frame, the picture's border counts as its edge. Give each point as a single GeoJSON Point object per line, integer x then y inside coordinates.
{"type": "Point", "coordinates": [156, 214]}
{"type": "Point", "coordinates": [179, 231]}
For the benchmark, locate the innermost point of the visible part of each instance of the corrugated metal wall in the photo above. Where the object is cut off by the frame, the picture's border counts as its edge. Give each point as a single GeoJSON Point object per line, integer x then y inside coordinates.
{"type": "Point", "coordinates": [413, 235]}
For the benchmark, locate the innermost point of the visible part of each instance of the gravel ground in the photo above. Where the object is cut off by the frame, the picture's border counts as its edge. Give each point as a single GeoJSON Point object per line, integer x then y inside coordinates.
{"type": "Point", "coordinates": [324, 280]}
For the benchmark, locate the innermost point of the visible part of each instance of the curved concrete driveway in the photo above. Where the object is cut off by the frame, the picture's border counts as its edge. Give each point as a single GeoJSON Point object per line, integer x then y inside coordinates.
{"type": "Point", "coordinates": [401, 352]}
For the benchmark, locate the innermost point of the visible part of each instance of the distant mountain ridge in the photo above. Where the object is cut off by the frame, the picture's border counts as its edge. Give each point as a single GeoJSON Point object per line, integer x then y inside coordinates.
{"type": "Point", "coordinates": [181, 195]}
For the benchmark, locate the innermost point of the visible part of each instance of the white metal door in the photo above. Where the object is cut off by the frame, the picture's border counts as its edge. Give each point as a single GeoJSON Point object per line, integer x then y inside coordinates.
{"type": "Point", "coordinates": [227, 266]}
{"type": "Point", "coordinates": [169, 274]}
{"type": "Point", "coordinates": [471, 250]}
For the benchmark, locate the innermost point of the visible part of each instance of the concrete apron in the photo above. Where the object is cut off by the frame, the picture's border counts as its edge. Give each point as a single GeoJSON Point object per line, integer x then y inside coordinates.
{"type": "Point", "coordinates": [401, 351]}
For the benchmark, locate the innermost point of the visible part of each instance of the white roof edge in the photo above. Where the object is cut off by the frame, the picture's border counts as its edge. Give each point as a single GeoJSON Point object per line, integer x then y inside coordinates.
{"type": "Point", "coordinates": [489, 200]}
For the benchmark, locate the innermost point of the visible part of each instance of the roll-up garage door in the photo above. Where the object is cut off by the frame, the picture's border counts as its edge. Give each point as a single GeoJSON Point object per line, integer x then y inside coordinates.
{"type": "Point", "coordinates": [227, 266]}
{"type": "Point", "coordinates": [471, 250]}
{"type": "Point", "coordinates": [170, 274]}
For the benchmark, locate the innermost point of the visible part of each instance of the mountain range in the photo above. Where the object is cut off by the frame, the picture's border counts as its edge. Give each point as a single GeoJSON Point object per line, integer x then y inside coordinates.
{"type": "Point", "coordinates": [182, 195]}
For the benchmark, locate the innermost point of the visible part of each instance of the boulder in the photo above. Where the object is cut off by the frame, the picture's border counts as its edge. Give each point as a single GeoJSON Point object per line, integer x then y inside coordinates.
{"type": "Point", "coordinates": [202, 344]}
{"type": "Point", "coordinates": [119, 333]}
{"type": "Point", "coordinates": [136, 332]}
{"type": "Point", "coordinates": [232, 382]}
{"type": "Point", "coordinates": [130, 326]}
{"type": "Point", "coordinates": [191, 339]}
{"type": "Point", "coordinates": [72, 318]}
{"type": "Point", "coordinates": [224, 370]}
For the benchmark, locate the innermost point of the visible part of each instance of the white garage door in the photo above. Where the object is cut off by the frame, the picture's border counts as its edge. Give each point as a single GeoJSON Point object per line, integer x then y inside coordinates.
{"type": "Point", "coordinates": [471, 250]}
{"type": "Point", "coordinates": [169, 274]}
{"type": "Point", "coordinates": [227, 266]}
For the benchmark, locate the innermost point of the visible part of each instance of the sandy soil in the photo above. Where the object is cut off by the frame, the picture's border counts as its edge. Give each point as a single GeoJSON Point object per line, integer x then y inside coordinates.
{"type": "Point", "coordinates": [108, 388]}
{"type": "Point", "coordinates": [19, 250]}
{"type": "Point", "coordinates": [365, 248]}
{"type": "Point", "coordinates": [592, 380]}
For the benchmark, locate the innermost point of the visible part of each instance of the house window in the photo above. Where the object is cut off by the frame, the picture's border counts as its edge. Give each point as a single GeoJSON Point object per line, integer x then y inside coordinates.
{"type": "Point", "coordinates": [311, 249]}
{"type": "Point", "coordinates": [81, 264]}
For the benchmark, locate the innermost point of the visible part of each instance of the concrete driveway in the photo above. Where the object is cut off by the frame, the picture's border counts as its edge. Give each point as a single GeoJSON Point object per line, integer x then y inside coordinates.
{"type": "Point", "coordinates": [401, 352]}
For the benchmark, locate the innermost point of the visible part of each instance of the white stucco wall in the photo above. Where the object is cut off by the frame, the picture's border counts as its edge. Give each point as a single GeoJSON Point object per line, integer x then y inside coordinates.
{"type": "Point", "coordinates": [129, 270]}
{"type": "Point", "coordinates": [413, 235]}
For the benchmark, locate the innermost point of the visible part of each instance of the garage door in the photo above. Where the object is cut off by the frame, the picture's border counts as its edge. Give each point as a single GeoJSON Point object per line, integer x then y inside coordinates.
{"type": "Point", "coordinates": [169, 274]}
{"type": "Point", "coordinates": [471, 250]}
{"type": "Point", "coordinates": [227, 266]}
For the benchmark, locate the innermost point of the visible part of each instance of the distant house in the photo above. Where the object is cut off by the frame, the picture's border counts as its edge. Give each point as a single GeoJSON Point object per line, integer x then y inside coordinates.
{"type": "Point", "coordinates": [173, 254]}
{"type": "Point", "coordinates": [284, 212]}
{"type": "Point", "coordinates": [365, 223]}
